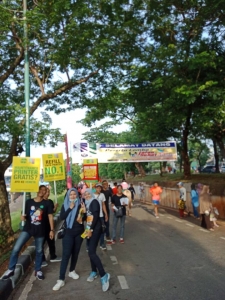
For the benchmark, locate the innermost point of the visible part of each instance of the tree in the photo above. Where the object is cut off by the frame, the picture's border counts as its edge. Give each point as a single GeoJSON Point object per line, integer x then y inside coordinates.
{"type": "Point", "coordinates": [75, 47]}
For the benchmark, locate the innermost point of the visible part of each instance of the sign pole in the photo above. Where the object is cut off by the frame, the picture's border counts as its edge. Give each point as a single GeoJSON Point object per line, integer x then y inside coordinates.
{"type": "Point", "coordinates": [55, 191]}
{"type": "Point", "coordinates": [23, 211]}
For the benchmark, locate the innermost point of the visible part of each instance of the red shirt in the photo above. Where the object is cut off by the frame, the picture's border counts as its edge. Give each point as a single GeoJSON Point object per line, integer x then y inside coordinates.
{"type": "Point", "coordinates": [114, 190]}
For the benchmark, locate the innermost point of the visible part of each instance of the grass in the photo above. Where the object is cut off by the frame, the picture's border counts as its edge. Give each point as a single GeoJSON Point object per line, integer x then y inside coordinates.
{"type": "Point", "coordinates": [15, 216]}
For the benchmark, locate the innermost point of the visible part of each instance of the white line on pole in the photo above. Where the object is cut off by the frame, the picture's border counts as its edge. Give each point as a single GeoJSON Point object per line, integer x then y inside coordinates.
{"type": "Point", "coordinates": [123, 282]}
{"type": "Point", "coordinates": [55, 191]}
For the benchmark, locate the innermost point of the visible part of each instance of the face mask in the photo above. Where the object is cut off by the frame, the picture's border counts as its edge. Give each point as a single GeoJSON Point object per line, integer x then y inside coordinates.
{"type": "Point", "coordinates": [74, 200]}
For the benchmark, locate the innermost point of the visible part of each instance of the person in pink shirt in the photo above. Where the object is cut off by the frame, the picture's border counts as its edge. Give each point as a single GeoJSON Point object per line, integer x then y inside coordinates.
{"type": "Point", "coordinates": [124, 185]}
{"type": "Point", "coordinates": [155, 191]}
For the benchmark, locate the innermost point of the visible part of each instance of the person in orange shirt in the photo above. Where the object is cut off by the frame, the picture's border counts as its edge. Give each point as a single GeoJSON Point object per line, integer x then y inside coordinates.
{"type": "Point", "coordinates": [155, 191]}
{"type": "Point", "coordinates": [114, 189]}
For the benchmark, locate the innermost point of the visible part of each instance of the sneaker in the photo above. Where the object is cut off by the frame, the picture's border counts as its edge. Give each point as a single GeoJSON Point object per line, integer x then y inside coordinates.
{"type": "Point", "coordinates": [44, 264]}
{"type": "Point", "coordinates": [92, 276]}
{"type": "Point", "coordinates": [105, 282]}
{"type": "Point", "coordinates": [59, 284]}
{"type": "Point", "coordinates": [103, 247]}
{"type": "Point", "coordinates": [113, 242]}
{"type": "Point", "coordinates": [56, 259]}
{"type": "Point", "coordinates": [39, 275]}
{"type": "Point", "coordinates": [157, 217]}
{"type": "Point", "coordinates": [7, 274]}
{"type": "Point", "coordinates": [73, 275]}
{"type": "Point", "coordinates": [121, 241]}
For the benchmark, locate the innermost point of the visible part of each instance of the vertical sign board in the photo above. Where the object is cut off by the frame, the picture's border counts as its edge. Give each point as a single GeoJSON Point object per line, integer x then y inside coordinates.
{"type": "Point", "coordinates": [90, 170]}
{"type": "Point", "coordinates": [25, 174]}
{"type": "Point", "coordinates": [53, 167]}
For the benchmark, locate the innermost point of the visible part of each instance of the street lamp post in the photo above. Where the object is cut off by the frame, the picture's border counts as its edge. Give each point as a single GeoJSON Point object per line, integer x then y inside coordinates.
{"type": "Point", "coordinates": [26, 82]}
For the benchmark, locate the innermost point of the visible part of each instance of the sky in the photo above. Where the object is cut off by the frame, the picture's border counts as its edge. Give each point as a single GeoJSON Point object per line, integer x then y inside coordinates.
{"type": "Point", "coordinates": [67, 122]}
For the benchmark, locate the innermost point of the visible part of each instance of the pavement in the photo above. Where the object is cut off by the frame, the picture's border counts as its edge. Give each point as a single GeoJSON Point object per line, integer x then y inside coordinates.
{"type": "Point", "coordinates": [162, 259]}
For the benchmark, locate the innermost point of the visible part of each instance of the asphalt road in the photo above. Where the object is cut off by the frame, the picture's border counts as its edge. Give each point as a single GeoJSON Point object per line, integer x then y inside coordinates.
{"type": "Point", "coordinates": [162, 259]}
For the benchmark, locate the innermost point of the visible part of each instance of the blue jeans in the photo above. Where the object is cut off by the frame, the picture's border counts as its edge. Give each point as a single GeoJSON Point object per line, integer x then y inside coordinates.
{"type": "Point", "coordinates": [21, 241]}
{"type": "Point", "coordinates": [122, 226]}
{"type": "Point", "coordinates": [195, 210]}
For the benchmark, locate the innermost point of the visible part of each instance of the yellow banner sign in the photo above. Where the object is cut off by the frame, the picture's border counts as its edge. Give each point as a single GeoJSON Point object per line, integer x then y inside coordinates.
{"type": "Point", "coordinates": [53, 167]}
{"type": "Point", "coordinates": [25, 174]}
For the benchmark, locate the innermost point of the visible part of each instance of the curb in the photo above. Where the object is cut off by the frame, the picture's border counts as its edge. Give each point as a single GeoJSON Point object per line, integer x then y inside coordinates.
{"type": "Point", "coordinates": [23, 263]}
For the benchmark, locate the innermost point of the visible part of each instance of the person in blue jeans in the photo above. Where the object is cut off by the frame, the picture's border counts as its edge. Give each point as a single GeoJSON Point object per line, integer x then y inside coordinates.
{"type": "Point", "coordinates": [35, 211]}
{"type": "Point", "coordinates": [194, 200]}
{"type": "Point", "coordinates": [119, 200]}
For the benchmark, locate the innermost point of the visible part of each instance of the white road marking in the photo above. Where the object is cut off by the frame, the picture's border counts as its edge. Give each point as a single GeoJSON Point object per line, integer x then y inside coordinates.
{"type": "Point", "coordinates": [190, 225]}
{"type": "Point", "coordinates": [223, 238]}
{"type": "Point", "coordinates": [114, 260]}
{"type": "Point", "coordinates": [109, 247]}
{"type": "Point", "coordinates": [28, 287]}
{"type": "Point", "coordinates": [179, 221]}
{"type": "Point", "coordinates": [170, 218]}
{"type": "Point", "coordinates": [161, 215]}
{"type": "Point", "coordinates": [204, 230]}
{"type": "Point", "coordinates": [123, 282]}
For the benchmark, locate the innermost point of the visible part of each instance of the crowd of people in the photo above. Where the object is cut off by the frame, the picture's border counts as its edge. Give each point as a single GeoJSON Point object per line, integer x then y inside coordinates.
{"type": "Point", "coordinates": [86, 215]}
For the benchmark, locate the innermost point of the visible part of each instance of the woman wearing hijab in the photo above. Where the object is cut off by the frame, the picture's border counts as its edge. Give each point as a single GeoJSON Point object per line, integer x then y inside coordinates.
{"type": "Point", "coordinates": [72, 241]}
{"type": "Point", "coordinates": [93, 232]}
{"type": "Point", "coordinates": [205, 207]}
{"type": "Point", "coordinates": [194, 200]}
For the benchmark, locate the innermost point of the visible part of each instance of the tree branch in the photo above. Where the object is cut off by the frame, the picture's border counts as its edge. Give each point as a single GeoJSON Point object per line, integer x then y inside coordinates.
{"type": "Point", "coordinates": [39, 81]}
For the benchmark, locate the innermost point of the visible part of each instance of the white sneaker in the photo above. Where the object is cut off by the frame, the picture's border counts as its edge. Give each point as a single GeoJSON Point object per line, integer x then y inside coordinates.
{"type": "Point", "coordinates": [59, 284]}
{"type": "Point", "coordinates": [73, 275]}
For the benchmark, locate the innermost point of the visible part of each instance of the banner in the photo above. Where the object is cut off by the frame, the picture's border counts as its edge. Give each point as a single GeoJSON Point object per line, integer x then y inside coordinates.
{"type": "Point", "coordinates": [25, 174]}
{"type": "Point", "coordinates": [145, 152]}
{"type": "Point", "coordinates": [90, 169]}
{"type": "Point", "coordinates": [68, 167]}
{"type": "Point", "coordinates": [82, 150]}
{"type": "Point", "coordinates": [53, 167]}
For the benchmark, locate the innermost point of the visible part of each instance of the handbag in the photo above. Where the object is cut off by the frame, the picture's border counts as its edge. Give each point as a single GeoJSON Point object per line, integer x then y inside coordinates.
{"type": "Point", "coordinates": [119, 211]}
{"type": "Point", "coordinates": [103, 226]}
{"type": "Point", "coordinates": [62, 231]}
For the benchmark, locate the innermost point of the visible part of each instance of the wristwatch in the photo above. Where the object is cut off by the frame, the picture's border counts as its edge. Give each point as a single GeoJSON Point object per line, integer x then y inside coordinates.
{"type": "Point", "coordinates": [91, 230]}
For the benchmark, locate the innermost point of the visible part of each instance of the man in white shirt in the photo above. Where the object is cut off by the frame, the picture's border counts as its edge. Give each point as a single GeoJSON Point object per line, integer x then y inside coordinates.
{"type": "Point", "coordinates": [103, 212]}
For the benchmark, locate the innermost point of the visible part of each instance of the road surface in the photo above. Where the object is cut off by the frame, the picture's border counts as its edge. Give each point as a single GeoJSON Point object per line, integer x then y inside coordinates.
{"type": "Point", "coordinates": [162, 259]}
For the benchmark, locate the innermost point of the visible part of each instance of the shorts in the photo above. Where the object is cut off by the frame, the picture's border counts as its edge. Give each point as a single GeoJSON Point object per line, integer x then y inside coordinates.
{"type": "Point", "coordinates": [155, 202]}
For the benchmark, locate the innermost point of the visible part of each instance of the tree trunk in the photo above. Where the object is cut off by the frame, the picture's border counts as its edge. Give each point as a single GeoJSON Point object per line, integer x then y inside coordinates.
{"type": "Point", "coordinates": [185, 156]}
{"type": "Point", "coordinates": [6, 232]}
{"type": "Point", "coordinates": [220, 144]}
{"type": "Point", "coordinates": [140, 169]}
{"type": "Point", "coordinates": [164, 166]}
{"type": "Point", "coordinates": [216, 155]}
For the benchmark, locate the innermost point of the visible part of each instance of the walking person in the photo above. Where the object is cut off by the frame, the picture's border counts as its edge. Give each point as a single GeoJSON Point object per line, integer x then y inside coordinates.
{"type": "Point", "coordinates": [141, 191]}
{"type": "Point", "coordinates": [108, 195]}
{"type": "Point", "coordinates": [72, 241]}
{"type": "Point", "coordinates": [194, 201]}
{"type": "Point", "coordinates": [103, 212]}
{"type": "Point", "coordinates": [93, 231]}
{"type": "Point", "coordinates": [132, 190]}
{"type": "Point", "coordinates": [36, 211]}
{"type": "Point", "coordinates": [156, 191]}
{"type": "Point", "coordinates": [119, 201]}
{"type": "Point", "coordinates": [205, 206]}
{"type": "Point", "coordinates": [183, 198]}
{"type": "Point", "coordinates": [114, 189]}
{"type": "Point", "coordinates": [51, 242]}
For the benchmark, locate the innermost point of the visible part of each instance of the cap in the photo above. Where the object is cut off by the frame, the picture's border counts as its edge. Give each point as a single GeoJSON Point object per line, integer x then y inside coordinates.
{"type": "Point", "coordinates": [180, 183]}
{"type": "Point", "coordinates": [98, 184]}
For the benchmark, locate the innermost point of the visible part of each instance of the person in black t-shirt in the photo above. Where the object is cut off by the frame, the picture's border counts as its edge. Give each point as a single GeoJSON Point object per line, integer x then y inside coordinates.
{"type": "Point", "coordinates": [36, 211]}
{"type": "Point", "coordinates": [108, 195]}
{"type": "Point", "coordinates": [72, 241]}
{"type": "Point", "coordinates": [132, 190]}
{"type": "Point", "coordinates": [117, 201]}
{"type": "Point", "coordinates": [51, 242]}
